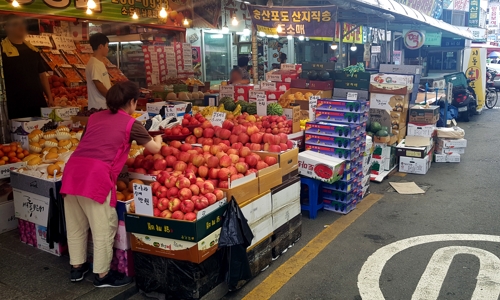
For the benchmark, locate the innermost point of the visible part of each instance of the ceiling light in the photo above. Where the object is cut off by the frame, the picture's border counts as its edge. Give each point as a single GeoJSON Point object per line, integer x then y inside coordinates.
{"type": "Point", "coordinates": [334, 46]}
{"type": "Point", "coordinates": [234, 21]}
{"type": "Point", "coordinates": [135, 16]}
{"type": "Point", "coordinates": [163, 12]}
{"type": "Point", "coordinates": [15, 3]}
{"type": "Point", "coordinates": [91, 4]}
{"type": "Point", "coordinates": [262, 34]}
{"type": "Point", "coordinates": [225, 29]}
{"type": "Point", "coordinates": [89, 11]}
{"type": "Point", "coordinates": [276, 36]}
{"type": "Point", "coordinates": [289, 37]}
{"type": "Point", "coordinates": [354, 47]}
{"type": "Point", "coordinates": [186, 22]}
{"type": "Point", "coordinates": [301, 38]}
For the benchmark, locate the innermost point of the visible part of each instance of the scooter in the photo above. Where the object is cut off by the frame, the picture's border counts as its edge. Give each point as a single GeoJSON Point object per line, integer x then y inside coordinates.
{"type": "Point", "coordinates": [464, 99]}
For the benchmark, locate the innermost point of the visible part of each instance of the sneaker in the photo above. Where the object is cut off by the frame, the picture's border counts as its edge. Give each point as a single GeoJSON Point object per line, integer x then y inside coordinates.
{"type": "Point", "coordinates": [112, 279]}
{"type": "Point", "coordinates": [77, 274]}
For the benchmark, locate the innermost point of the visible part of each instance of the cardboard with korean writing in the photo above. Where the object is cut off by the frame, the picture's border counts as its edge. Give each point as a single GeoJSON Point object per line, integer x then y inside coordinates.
{"type": "Point", "coordinates": [313, 103]}
{"type": "Point", "coordinates": [143, 199]}
{"type": "Point", "coordinates": [218, 118]}
{"type": "Point", "coordinates": [31, 207]}
{"type": "Point", "coordinates": [261, 105]}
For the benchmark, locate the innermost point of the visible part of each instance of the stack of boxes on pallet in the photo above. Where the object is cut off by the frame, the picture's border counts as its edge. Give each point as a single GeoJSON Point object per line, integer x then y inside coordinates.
{"type": "Point", "coordinates": [414, 153]}
{"type": "Point", "coordinates": [337, 134]}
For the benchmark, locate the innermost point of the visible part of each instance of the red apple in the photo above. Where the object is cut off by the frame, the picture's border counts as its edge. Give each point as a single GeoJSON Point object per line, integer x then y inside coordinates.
{"type": "Point", "coordinates": [255, 147]}
{"type": "Point", "coordinates": [225, 161]}
{"type": "Point", "coordinates": [212, 162]}
{"type": "Point", "coordinates": [234, 158]}
{"type": "Point", "coordinates": [256, 138]}
{"type": "Point", "coordinates": [242, 167]}
{"type": "Point", "coordinates": [261, 165]}
{"type": "Point", "coordinates": [166, 214]}
{"type": "Point", "coordinates": [213, 173]}
{"type": "Point", "coordinates": [203, 171]}
{"type": "Point", "coordinates": [162, 192]}
{"type": "Point", "coordinates": [190, 140]}
{"type": "Point", "coordinates": [190, 216]}
{"type": "Point", "coordinates": [174, 205]}
{"type": "Point", "coordinates": [224, 184]}
{"type": "Point", "coordinates": [183, 183]}
{"type": "Point", "coordinates": [223, 174]}
{"type": "Point", "coordinates": [270, 160]}
{"type": "Point", "coordinates": [175, 144]}
{"type": "Point", "coordinates": [163, 204]}
{"type": "Point", "coordinates": [275, 148]}
{"type": "Point", "coordinates": [198, 132]}
{"type": "Point", "coordinates": [178, 215]}
{"type": "Point", "coordinates": [219, 194]}
{"type": "Point", "coordinates": [232, 170]}
{"type": "Point", "coordinates": [208, 187]}
{"type": "Point", "coordinates": [245, 151]}
{"type": "Point", "coordinates": [191, 177]}
{"type": "Point", "coordinates": [211, 198]}
{"type": "Point", "coordinates": [185, 193]}
{"type": "Point", "coordinates": [154, 186]}
{"type": "Point", "coordinates": [251, 161]}
{"type": "Point", "coordinates": [187, 206]}
{"type": "Point", "coordinates": [130, 162]}
{"type": "Point", "coordinates": [195, 190]}
{"type": "Point", "coordinates": [208, 132]}
{"type": "Point", "coordinates": [201, 203]}
{"type": "Point", "coordinates": [157, 212]}
{"type": "Point", "coordinates": [160, 164]}
{"type": "Point", "coordinates": [243, 138]}
{"type": "Point", "coordinates": [173, 192]}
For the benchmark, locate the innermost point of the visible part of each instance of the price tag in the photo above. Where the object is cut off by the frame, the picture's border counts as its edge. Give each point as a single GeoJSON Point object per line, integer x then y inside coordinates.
{"type": "Point", "coordinates": [352, 96]}
{"type": "Point", "coordinates": [261, 105]}
{"type": "Point", "coordinates": [252, 94]}
{"type": "Point", "coordinates": [227, 89]}
{"type": "Point", "coordinates": [229, 95]}
{"type": "Point", "coordinates": [39, 40]}
{"type": "Point", "coordinates": [143, 199]}
{"type": "Point", "coordinates": [170, 112]}
{"type": "Point", "coordinates": [288, 67]}
{"type": "Point", "coordinates": [266, 85]}
{"type": "Point", "coordinates": [64, 43]}
{"type": "Point", "coordinates": [218, 118]}
{"type": "Point", "coordinates": [313, 103]}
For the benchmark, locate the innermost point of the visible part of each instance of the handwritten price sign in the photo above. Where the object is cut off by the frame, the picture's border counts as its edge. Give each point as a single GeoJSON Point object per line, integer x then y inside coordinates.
{"type": "Point", "coordinates": [218, 118]}
{"type": "Point", "coordinates": [352, 96]}
{"type": "Point", "coordinates": [313, 103]}
{"type": "Point", "coordinates": [143, 199]}
{"type": "Point", "coordinates": [261, 104]}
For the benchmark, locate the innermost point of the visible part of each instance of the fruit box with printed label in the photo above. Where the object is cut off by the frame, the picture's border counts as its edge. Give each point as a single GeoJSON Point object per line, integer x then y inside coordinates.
{"type": "Point", "coordinates": [195, 252]}
{"type": "Point", "coordinates": [425, 130]}
{"type": "Point", "coordinates": [5, 169]}
{"type": "Point", "coordinates": [178, 229]}
{"type": "Point", "coordinates": [31, 207]}
{"type": "Point", "coordinates": [352, 84]}
{"type": "Point", "coordinates": [452, 143]}
{"type": "Point", "coordinates": [8, 219]}
{"type": "Point", "coordinates": [285, 194]}
{"type": "Point", "coordinates": [393, 89]}
{"type": "Point", "coordinates": [27, 125]}
{"type": "Point", "coordinates": [341, 153]}
{"type": "Point", "coordinates": [423, 114]}
{"type": "Point", "coordinates": [340, 116]}
{"type": "Point", "coordinates": [417, 152]}
{"type": "Point", "coordinates": [329, 141]}
{"type": "Point", "coordinates": [257, 208]}
{"type": "Point", "coordinates": [35, 185]}
{"type": "Point", "coordinates": [243, 189]}
{"type": "Point", "coordinates": [392, 79]}
{"type": "Point", "coordinates": [319, 166]}
{"type": "Point", "coordinates": [415, 165]}
{"type": "Point", "coordinates": [342, 105]}
{"type": "Point", "coordinates": [287, 159]}
{"type": "Point", "coordinates": [333, 129]}
{"type": "Point", "coordinates": [42, 244]}
{"type": "Point", "coordinates": [286, 213]}
{"type": "Point", "coordinates": [59, 113]}
{"type": "Point", "coordinates": [451, 158]}
{"type": "Point", "coordinates": [282, 75]}
{"type": "Point", "coordinates": [243, 90]}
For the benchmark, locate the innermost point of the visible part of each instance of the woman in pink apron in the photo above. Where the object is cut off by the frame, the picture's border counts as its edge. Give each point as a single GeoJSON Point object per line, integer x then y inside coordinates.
{"type": "Point", "coordinates": [89, 183]}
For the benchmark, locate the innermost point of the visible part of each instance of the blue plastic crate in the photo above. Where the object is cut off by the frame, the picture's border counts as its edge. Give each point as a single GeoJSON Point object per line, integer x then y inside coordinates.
{"type": "Point", "coordinates": [339, 207]}
{"type": "Point", "coordinates": [337, 196]}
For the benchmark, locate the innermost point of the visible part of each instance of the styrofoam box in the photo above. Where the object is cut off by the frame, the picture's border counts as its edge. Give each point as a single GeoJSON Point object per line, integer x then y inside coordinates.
{"type": "Point", "coordinates": [285, 214]}
{"type": "Point", "coordinates": [286, 196]}
{"type": "Point", "coordinates": [258, 209]}
{"type": "Point", "coordinates": [451, 158]}
{"type": "Point", "coordinates": [8, 219]}
{"type": "Point", "coordinates": [261, 229]}
{"type": "Point", "coordinates": [421, 130]}
{"type": "Point", "coordinates": [452, 143]}
{"type": "Point", "coordinates": [414, 165]}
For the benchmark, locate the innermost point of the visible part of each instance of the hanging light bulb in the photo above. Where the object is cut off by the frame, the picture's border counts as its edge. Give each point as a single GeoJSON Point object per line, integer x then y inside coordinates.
{"type": "Point", "coordinates": [354, 47]}
{"type": "Point", "coordinates": [279, 29]}
{"type": "Point", "coordinates": [91, 4]}
{"type": "Point", "coordinates": [225, 29]}
{"type": "Point", "coordinates": [15, 3]}
{"type": "Point", "coordinates": [246, 31]}
{"type": "Point", "coordinates": [163, 12]}
{"type": "Point", "coordinates": [89, 11]}
{"type": "Point", "coordinates": [301, 38]}
{"type": "Point", "coordinates": [234, 21]}
{"type": "Point", "coordinates": [135, 16]}
{"type": "Point", "coordinates": [186, 22]}
{"type": "Point", "coordinates": [333, 46]}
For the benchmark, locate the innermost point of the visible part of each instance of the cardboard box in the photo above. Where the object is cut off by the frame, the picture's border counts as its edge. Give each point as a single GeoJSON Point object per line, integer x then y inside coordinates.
{"type": "Point", "coordinates": [38, 186]}
{"type": "Point", "coordinates": [447, 158]}
{"type": "Point", "coordinates": [452, 143]}
{"type": "Point", "coordinates": [341, 153]}
{"type": "Point", "coordinates": [440, 150]}
{"type": "Point", "coordinates": [122, 239]}
{"type": "Point", "coordinates": [247, 188]}
{"type": "Point", "coordinates": [286, 213]}
{"type": "Point", "coordinates": [384, 155]}
{"type": "Point", "coordinates": [288, 160]}
{"type": "Point", "coordinates": [42, 244]}
{"type": "Point", "coordinates": [334, 129]}
{"type": "Point", "coordinates": [304, 104]}
{"type": "Point", "coordinates": [341, 105]}
{"type": "Point", "coordinates": [391, 89]}
{"type": "Point", "coordinates": [342, 93]}
{"type": "Point", "coordinates": [415, 165]}
{"type": "Point", "coordinates": [352, 84]}
{"type": "Point", "coordinates": [392, 79]}
{"type": "Point", "coordinates": [389, 102]}
{"type": "Point", "coordinates": [401, 69]}
{"type": "Point", "coordinates": [261, 229]}
{"type": "Point", "coordinates": [180, 107]}
{"type": "Point", "coordinates": [414, 151]}
{"type": "Point", "coordinates": [341, 117]}
{"type": "Point", "coordinates": [285, 194]}
{"type": "Point", "coordinates": [299, 83]}
{"type": "Point", "coordinates": [423, 115]}
{"type": "Point", "coordinates": [360, 76]}
{"type": "Point", "coordinates": [329, 141]}
{"type": "Point", "coordinates": [58, 112]}
{"type": "Point", "coordinates": [31, 207]}
{"type": "Point", "coordinates": [424, 130]}
{"type": "Point", "coordinates": [321, 167]}
{"type": "Point", "coordinates": [293, 113]}
{"type": "Point", "coordinates": [8, 219]}
{"type": "Point", "coordinates": [282, 75]}
{"type": "Point", "coordinates": [177, 229]}
{"type": "Point", "coordinates": [5, 169]}
{"type": "Point", "coordinates": [191, 251]}
{"type": "Point", "coordinates": [257, 208]}
{"type": "Point", "coordinates": [269, 178]}
{"type": "Point", "coordinates": [321, 85]}
{"type": "Point", "coordinates": [27, 125]}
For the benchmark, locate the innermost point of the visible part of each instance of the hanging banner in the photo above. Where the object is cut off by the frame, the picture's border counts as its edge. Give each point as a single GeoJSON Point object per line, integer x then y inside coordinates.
{"type": "Point", "coordinates": [474, 13]}
{"type": "Point", "coordinates": [493, 17]}
{"type": "Point", "coordinates": [296, 21]}
{"type": "Point", "coordinates": [354, 36]}
{"type": "Point", "coordinates": [475, 71]}
{"type": "Point", "coordinates": [108, 10]}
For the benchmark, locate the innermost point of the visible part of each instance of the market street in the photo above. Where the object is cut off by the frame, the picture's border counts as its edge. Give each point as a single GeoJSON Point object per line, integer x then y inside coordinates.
{"type": "Point", "coordinates": [459, 199]}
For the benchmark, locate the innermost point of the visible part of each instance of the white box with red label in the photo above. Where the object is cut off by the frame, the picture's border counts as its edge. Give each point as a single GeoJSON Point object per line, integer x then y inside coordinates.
{"type": "Point", "coordinates": [321, 167]}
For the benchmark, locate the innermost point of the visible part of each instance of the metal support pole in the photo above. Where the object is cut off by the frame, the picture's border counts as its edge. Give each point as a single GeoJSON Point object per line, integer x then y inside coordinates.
{"type": "Point", "coordinates": [341, 44]}
{"type": "Point", "coordinates": [255, 57]}
{"type": "Point", "coordinates": [386, 44]}
{"type": "Point", "coordinates": [392, 47]}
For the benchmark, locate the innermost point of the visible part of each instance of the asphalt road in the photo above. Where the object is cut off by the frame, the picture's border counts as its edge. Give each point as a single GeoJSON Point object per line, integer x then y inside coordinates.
{"type": "Point", "coordinates": [460, 199]}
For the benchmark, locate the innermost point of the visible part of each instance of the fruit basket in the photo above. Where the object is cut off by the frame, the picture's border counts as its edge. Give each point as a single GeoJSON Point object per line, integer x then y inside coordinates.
{"type": "Point", "coordinates": [116, 74]}
{"type": "Point", "coordinates": [85, 57]}
{"type": "Point", "coordinates": [53, 58]}
{"type": "Point", "coordinates": [71, 57]}
{"type": "Point", "coordinates": [167, 138]}
{"type": "Point", "coordinates": [70, 73]}
{"type": "Point", "coordinates": [81, 70]}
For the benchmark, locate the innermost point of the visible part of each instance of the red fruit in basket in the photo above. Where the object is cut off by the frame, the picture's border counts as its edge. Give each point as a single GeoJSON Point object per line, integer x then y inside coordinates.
{"type": "Point", "coordinates": [174, 205]}
{"type": "Point", "coordinates": [283, 147]}
{"type": "Point", "coordinates": [185, 131]}
{"type": "Point", "coordinates": [160, 164]}
{"type": "Point", "coordinates": [208, 141]}
{"type": "Point", "coordinates": [232, 170]}
{"type": "Point", "coordinates": [234, 158]}
{"type": "Point", "coordinates": [275, 148]}
{"type": "Point", "coordinates": [165, 150]}
{"type": "Point", "coordinates": [191, 177]}
{"type": "Point", "coordinates": [156, 212]}
{"type": "Point", "coordinates": [194, 122]}
{"type": "Point", "coordinates": [261, 165]}
{"type": "Point", "coordinates": [289, 144]}
{"type": "Point", "coordinates": [140, 171]}
{"type": "Point", "coordinates": [255, 147]}
{"type": "Point", "coordinates": [183, 183]}
{"type": "Point", "coordinates": [163, 204]}
{"type": "Point", "coordinates": [270, 160]}
{"type": "Point", "coordinates": [223, 174]}
{"type": "Point", "coordinates": [223, 185]}
{"type": "Point", "coordinates": [180, 166]}
{"type": "Point", "coordinates": [166, 214]}
{"type": "Point", "coordinates": [212, 162]}
{"type": "Point", "coordinates": [138, 161]}
{"type": "Point", "coordinates": [155, 201]}
{"type": "Point", "coordinates": [219, 195]}
{"type": "Point", "coordinates": [176, 131]}
{"type": "Point", "coordinates": [283, 137]}
{"type": "Point", "coordinates": [206, 124]}
{"type": "Point", "coordinates": [187, 206]}
{"type": "Point", "coordinates": [162, 192]}
{"type": "Point", "coordinates": [170, 182]}
{"type": "Point", "coordinates": [198, 132]}
{"type": "Point", "coordinates": [185, 121]}
{"type": "Point", "coordinates": [178, 215]}
{"type": "Point", "coordinates": [243, 138]}
{"type": "Point", "coordinates": [154, 186]}
{"type": "Point", "coordinates": [191, 139]}
{"type": "Point", "coordinates": [185, 193]}
{"type": "Point", "coordinates": [171, 160]}
{"type": "Point", "coordinates": [214, 149]}
{"type": "Point", "coordinates": [228, 125]}
{"type": "Point", "coordinates": [198, 160]}
{"type": "Point", "coordinates": [241, 167]}
{"type": "Point", "coordinates": [237, 146]}
{"type": "Point", "coordinates": [190, 216]}
{"type": "Point", "coordinates": [251, 161]}
{"type": "Point", "coordinates": [175, 144]}
{"type": "Point", "coordinates": [173, 192]}
{"type": "Point", "coordinates": [195, 190]}
{"type": "Point", "coordinates": [130, 162]}
{"type": "Point", "coordinates": [225, 134]}
{"type": "Point", "coordinates": [208, 187]}
{"type": "Point", "coordinates": [245, 151]}
{"type": "Point", "coordinates": [256, 138]}
{"type": "Point", "coordinates": [203, 171]}
{"type": "Point", "coordinates": [211, 198]}
{"type": "Point", "coordinates": [208, 133]}
{"type": "Point", "coordinates": [225, 161]}
{"type": "Point", "coordinates": [201, 203]}
{"type": "Point", "coordinates": [185, 147]}
{"type": "Point", "coordinates": [213, 173]}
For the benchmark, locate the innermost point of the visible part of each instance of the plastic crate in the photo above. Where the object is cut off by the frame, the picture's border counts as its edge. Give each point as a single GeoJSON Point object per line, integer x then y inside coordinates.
{"type": "Point", "coordinates": [339, 207]}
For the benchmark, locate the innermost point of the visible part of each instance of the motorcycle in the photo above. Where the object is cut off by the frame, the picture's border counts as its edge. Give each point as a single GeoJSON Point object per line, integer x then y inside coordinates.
{"type": "Point", "coordinates": [491, 91]}
{"type": "Point", "coordinates": [464, 96]}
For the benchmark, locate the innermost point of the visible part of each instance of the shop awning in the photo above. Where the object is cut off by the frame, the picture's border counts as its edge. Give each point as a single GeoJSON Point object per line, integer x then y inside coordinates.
{"type": "Point", "coordinates": [403, 17]}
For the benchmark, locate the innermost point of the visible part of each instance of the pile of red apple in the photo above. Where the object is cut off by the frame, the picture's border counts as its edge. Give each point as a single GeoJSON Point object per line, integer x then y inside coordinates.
{"type": "Point", "coordinates": [177, 130]}
{"type": "Point", "coordinates": [189, 120]}
{"type": "Point", "coordinates": [237, 134]}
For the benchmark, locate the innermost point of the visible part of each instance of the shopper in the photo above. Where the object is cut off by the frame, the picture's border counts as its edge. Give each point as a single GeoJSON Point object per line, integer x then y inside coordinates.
{"type": "Point", "coordinates": [98, 82]}
{"type": "Point", "coordinates": [283, 58]}
{"type": "Point", "coordinates": [243, 66]}
{"type": "Point", "coordinates": [89, 183]}
{"type": "Point", "coordinates": [235, 76]}
{"type": "Point", "coordinates": [25, 72]}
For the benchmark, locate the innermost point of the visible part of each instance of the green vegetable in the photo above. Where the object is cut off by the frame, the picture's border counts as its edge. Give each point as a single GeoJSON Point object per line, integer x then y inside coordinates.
{"type": "Point", "coordinates": [225, 99]}
{"type": "Point", "coordinates": [382, 133]}
{"type": "Point", "coordinates": [229, 105]}
{"type": "Point", "coordinates": [243, 105]}
{"type": "Point", "coordinates": [252, 109]}
{"type": "Point", "coordinates": [375, 126]}
{"type": "Point", "coordinates": [274, 109]}
{"type": "Point", "coordinates": [359, 67]}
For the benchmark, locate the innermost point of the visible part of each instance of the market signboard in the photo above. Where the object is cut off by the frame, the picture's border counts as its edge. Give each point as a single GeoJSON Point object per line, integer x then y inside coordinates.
{"type": "Point", "coordinates": [107, 10]}
{"type": "Point", "coordinates": [433, 39]}
{"type": "Point", "coordinates": [474, 13]}
{"type": "Point", "coordinates": [295, 21]}
{"type": "Point", "coordinates": [433, 8]}
{"type": "Point", "coordinates": [413, 39]}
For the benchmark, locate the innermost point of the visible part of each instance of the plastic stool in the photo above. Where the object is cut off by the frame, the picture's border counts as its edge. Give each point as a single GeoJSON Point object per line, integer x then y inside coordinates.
{"type": "Point", "coordinates": [315, 203]}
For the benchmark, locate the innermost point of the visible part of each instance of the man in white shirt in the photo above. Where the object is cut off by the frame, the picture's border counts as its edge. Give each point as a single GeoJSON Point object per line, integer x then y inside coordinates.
{"type": "Point", "coordinates": [98, 82]}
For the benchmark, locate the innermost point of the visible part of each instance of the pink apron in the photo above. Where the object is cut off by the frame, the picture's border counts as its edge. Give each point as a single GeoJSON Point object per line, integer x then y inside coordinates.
{"type": "Point", "coordinates": [93, 168]}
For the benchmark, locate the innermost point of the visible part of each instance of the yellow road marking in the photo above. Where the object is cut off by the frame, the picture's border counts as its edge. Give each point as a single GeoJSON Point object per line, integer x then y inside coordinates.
{"type": "Point", "coordinates": [279, 277]}
{"type": "Point", "coordinates": [399, 174]}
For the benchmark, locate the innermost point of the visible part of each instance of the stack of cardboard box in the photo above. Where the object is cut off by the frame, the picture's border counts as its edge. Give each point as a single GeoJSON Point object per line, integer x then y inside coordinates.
{"type": "Point", "coordinates": [449, 150]}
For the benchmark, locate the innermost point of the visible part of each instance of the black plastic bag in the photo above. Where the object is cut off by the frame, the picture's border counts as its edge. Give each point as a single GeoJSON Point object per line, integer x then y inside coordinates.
{"type": "Point", "coordinates": [56, 223]}
{"type": "Point", "coordinates": [234, 239]}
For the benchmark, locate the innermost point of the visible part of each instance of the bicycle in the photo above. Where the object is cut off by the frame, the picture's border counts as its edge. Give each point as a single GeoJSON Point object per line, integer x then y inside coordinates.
{"type": "Point", "coordinates": [491, 92]}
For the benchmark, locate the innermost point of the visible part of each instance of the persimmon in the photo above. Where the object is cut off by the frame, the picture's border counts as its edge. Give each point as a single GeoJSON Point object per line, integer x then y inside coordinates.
{"type": "Point", "coordinates": [5, 158]}
{"type": "Point", "coordinates": [20, 155]}
{"type": "Point", "coordinates": [11, 154]}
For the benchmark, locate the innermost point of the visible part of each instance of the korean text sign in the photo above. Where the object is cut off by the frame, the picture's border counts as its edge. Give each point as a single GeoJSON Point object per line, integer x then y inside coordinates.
{"type": "Point", "coordinates": [296, 21]}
